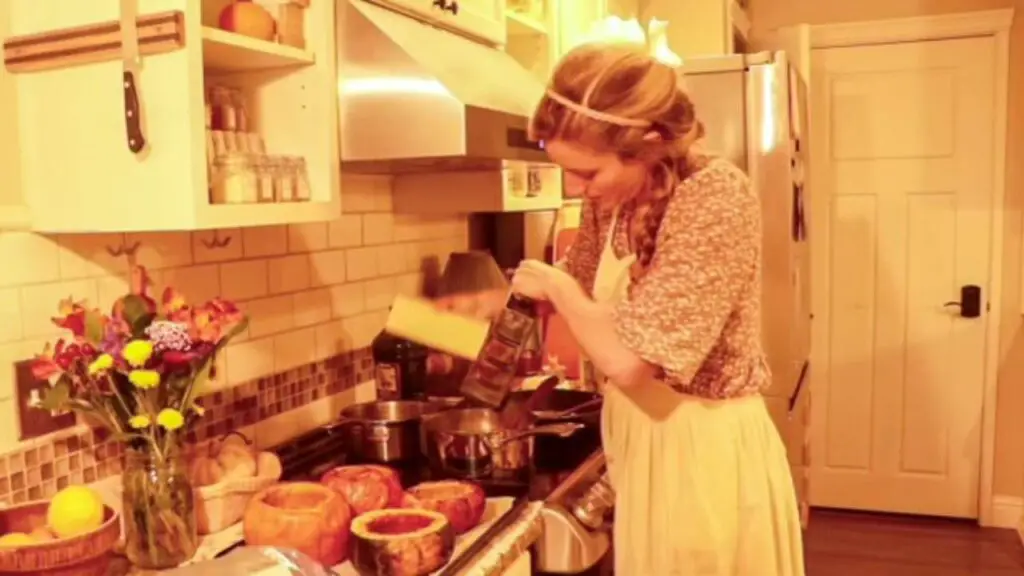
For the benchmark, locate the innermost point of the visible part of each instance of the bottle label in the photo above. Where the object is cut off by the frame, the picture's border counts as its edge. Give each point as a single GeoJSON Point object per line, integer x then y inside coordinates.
{"type": "Point", "coordinates": [389, 380]}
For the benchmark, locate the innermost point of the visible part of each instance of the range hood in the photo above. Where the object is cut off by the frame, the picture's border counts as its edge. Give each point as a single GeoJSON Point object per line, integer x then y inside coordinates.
{"type": "Point", "coordinates": [416, 98]}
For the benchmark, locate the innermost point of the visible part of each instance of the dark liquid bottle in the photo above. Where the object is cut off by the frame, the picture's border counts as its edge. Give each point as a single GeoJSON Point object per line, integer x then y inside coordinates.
{"type": "Point", "coordinates": [400, 367]}
{"type": "Point", "coordinates": [491, 377]}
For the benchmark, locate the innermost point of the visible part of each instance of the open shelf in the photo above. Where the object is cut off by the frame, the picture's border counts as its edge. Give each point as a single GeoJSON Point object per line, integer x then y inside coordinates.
{"type": "Point", "coordinates": [229, 52]}
{"type": "Point", "coordinates": [523, 25]}
{"type": "Point", "coordinates": [229, 215]}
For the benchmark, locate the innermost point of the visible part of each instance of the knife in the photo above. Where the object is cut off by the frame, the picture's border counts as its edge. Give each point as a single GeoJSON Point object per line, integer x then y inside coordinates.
{"type": "Point", "coordinates": [131, 64]}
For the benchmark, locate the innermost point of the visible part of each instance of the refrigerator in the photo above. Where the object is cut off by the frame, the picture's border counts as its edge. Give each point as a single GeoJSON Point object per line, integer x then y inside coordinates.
{"type": "Point", "coordinates": [754, 111]}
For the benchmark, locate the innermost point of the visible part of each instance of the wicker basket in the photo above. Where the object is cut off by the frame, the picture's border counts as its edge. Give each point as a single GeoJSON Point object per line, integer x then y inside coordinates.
{"type": "Point", "coordinates": [220, 505]}
{"type": "Point", "coordinates": [84, 555]}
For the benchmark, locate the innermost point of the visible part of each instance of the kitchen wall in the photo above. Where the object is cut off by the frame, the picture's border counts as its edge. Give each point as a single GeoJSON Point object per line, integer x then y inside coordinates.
{"type": "Point", "coordinates": [317, 294]}
{"type": "Point", "coordinates": [770, 14]}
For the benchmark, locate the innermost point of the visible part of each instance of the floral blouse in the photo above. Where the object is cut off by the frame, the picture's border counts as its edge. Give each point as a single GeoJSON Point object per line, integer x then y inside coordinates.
{"type": "Point", "coordinates": [696, 311]}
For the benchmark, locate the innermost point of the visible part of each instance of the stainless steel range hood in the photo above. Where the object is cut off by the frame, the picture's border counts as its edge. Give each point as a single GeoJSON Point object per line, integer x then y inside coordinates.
{"type": "Point", "coordinates": [416, 98]}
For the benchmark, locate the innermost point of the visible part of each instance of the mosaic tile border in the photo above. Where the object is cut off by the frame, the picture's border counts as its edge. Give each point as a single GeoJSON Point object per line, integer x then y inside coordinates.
{"type": "Point", "coordinates": [42, 467]}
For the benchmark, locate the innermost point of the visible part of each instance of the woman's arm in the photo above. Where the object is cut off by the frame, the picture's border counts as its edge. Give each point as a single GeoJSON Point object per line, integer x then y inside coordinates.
{"type": "Point", "coordinates": [708, 251]}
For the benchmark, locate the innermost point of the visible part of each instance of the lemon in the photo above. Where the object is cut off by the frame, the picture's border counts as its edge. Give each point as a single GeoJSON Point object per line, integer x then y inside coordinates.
{"type": "Point", "coordinates": [75, 510]}
{"type": "Point", "coordinates": [15, 539]}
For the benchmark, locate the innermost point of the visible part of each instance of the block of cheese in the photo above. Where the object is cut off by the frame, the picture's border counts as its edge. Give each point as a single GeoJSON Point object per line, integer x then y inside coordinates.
{"type": "Point", "coordinates": [419, 320]}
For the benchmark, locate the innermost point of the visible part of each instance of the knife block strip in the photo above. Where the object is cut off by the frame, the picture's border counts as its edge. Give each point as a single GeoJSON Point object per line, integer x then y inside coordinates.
{"type": "Point", "coordinates": [158, 33]}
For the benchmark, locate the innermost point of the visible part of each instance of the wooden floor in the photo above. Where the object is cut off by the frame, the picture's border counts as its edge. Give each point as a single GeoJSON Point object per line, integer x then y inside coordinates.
{"type": "Point", "coordinates": [855, 544]}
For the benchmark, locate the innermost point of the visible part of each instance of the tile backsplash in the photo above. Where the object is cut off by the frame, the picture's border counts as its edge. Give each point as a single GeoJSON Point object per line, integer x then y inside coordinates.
{"type": "Point", "coordinates": [316, 294]}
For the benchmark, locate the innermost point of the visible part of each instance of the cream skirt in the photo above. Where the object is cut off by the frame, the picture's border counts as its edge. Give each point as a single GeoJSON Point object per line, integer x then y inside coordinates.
{"type": "Point", "coordinates": [703, 488]}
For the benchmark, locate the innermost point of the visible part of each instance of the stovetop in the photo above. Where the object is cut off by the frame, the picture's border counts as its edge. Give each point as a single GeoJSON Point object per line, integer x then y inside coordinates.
{"type": "Point", "coordinates": [309, 456]}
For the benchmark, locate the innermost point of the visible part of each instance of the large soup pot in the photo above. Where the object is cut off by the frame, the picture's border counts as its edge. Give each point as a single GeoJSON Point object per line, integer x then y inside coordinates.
{"type": "Point", "coordinates": [552, 452]}
{"type": "Point", "coordinates": [472, 443]}
{"type": "Point", "coordinates": [385, 431]}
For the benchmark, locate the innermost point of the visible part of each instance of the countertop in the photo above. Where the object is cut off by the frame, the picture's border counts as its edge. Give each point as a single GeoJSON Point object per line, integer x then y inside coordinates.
{"type": "Point", "coordinates": [507, 556]}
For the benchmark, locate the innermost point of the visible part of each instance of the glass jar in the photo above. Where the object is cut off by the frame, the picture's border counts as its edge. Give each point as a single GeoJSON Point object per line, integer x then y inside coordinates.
{"type": "Point", "coordinates": [234, 179]}
{"type": "Point", "coordinates": [291, 23]}
{"type": "Point", "coordinates": [223, 115]}
{"type": "Point", "coordinates": [266, 170]}
{"type": "Point", "coordinates": [302, 191]}
{"type": "Point", "coordinates": [286, 181]}
{"type": "Point", "coordinates": [159, 511]}
{"type": "Point", "coordinates": [241, 110]}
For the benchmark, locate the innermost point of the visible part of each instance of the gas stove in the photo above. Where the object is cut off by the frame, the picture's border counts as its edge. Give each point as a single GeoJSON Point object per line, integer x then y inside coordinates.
{"type": "Point", "coordinates": [309, 456]}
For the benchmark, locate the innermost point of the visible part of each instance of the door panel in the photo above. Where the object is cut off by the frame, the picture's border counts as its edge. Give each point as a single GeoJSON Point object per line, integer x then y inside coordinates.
{"type": "Point", "coordinates": [902, 165]}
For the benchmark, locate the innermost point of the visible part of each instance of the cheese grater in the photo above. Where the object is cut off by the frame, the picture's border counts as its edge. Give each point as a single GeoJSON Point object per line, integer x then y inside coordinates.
{"type": "Point", "coordinates": [491, 376]}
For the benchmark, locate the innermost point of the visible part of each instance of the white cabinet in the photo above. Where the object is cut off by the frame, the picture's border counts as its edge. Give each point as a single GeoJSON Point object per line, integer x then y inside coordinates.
{"type": "Point", "coordinates": [77, 174]}
{"type": "Point", "coordinates": [480, 19]}
{"type": "Point", "coordinates": [13, 212]}
{"type": "Point", "coordinates": [575, 19]}
{"type": "Point", "coordinates": [701, 27]}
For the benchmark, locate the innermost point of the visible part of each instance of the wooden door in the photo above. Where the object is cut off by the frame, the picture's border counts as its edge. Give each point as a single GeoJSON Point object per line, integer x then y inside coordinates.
{"type": "Point", "coordinates": [902, 173]}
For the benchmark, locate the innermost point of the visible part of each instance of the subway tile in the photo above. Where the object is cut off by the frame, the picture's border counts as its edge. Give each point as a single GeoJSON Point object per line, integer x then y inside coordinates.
{"type": "Point", "coordinates": [380, 293]}
{"type": "Point", "coordinates": [378, 228]}
{"type": "Point", "coordinates": [216, 245]}
{"type": "Point", "coordinates": [249, 360]}
{"type": "Point", "coordinates": [295, 348]}
{"type": "Point", "coordinates": [327, 268]}
{"type": "Point", "coordinates": [10, 315]}
{"type": "Point", "coordinates": [28, 259]}
{"type": "Point", "coordinates": [331, 338]}
{"type": "Point", "coordinates": [264, 241]}
{"type": "Point", "coordinates": [363, 193]}
{"type": "Point", "coordinates": [346, 231]}
{"type": "Point", "coordinates": [312, 306]}
{"type": "Point", "coordinates": [348, 299]}
{"type": "Point", "coordinates": [289, 273]}
{"type": "Point", "coordinates": [308, 237]}
{"type": "Point", "coordinates": [408, 227]}
{"type": "Point", "coordinates": [158, 250]}
{"type": "Point", "coordinates": [392, 259]}
{"type": "Point", "coordinates": [363, 328]}
{"type": "Point", "coordinates": [198, 284]}
{"type": "Point", "coordinates": [269, 315]}
{"type": "Point", "coordinates": [109, 289]}
{"type": "Point", "coordinates": [410, 284]}
{"type": "Point", "coordinates": [244, 280]}
{"type": "Point", "coordinates": [40, 304]}
{"type": "Point", "coordinates": [87, 255]}
{"type": "Point", "coordinates": [361, 263]}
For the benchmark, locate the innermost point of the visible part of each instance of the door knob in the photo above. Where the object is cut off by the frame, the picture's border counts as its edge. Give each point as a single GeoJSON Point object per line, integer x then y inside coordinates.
{"type": "Point", "coordinates": [970, 301]}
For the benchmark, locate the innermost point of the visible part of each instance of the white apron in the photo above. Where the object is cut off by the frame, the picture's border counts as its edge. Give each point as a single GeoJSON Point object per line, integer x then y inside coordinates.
{"type": "Point", "coordinates": [703, 487]}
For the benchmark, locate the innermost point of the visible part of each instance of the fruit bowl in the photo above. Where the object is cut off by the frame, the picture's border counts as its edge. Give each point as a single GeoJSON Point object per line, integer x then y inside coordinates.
{"type": "Point", "coordinates": [84, 555]}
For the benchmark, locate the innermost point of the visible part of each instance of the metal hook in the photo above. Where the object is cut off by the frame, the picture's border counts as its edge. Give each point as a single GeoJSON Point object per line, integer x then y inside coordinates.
{"type": "Point", "coordinates": [115, 252]}
{"type": "Point", "coordinates": [125, 250]}
{"type": "Point", "coordinates": [216, 241]}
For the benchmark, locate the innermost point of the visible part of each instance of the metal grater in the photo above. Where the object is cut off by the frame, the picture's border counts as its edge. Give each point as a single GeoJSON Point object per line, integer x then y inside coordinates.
{"type": "Point", "coordinates": [491, 376]}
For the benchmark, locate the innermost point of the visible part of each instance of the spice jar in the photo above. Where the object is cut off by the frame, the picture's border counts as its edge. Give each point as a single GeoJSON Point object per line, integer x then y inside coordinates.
{"type": "Point", "coordinates": [223, 115]}
{"type": "Point", "coordinates": [302, 192]}
{"type": "Point", "coordinates": [241, 110]}
{"type": "Point", "coordinates": [234, 179]}
{"type": "Point", "coordinates": [285, 181]}
{"type": "Point", "coordinates": [266, 170]}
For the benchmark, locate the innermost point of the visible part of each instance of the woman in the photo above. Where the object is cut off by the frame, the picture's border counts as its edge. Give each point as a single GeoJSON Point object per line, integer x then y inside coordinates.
{"type": "Point", "coordinates": [661, 289]}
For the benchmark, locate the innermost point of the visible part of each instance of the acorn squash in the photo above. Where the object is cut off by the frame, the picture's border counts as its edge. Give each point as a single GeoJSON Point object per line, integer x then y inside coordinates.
{"type": "Point", "coordinates": [401, 542]}
{"type": "Point", "coordinates": [305, 516]}
{"type": "Point", "coordinates": [365, 487]}
{"type": "Point", "coordinates": [462, 502]}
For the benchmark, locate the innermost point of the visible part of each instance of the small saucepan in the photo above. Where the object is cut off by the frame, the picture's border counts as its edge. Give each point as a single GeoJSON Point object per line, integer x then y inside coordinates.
{"type": "Point", "coordinates": [560, 453]}
{"type": "Point", "coordinates": [472, 443]}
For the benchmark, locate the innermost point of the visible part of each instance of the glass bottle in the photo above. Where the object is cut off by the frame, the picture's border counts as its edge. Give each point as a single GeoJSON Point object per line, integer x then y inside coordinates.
{"type": "Point", "coordinates": [159, 511]}
{"type": "Point", "coordinates": [302, 192]}
{"type": "Point", "coordinates": [492, 376]}
{"type": "Point", "coordinates": [400, 367]}
{"type": "Point", "coordinates": [223, 115]}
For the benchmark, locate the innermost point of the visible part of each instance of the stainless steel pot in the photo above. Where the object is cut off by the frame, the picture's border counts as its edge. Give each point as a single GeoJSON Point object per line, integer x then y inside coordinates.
{"type": "Point", "coordinates": [471, 442]}
{"type": "Point", "coordinates": [385, 431]}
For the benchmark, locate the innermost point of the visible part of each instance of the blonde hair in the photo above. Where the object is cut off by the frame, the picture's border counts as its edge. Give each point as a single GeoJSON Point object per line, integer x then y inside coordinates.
{"type": "Point", "coordinates": [617, 98]}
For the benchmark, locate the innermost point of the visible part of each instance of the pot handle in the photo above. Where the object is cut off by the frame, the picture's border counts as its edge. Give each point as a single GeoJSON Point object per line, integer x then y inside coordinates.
{"type": "Point", "coordinates": [352, 430]}
{"type": "Point", "coordinates": [563, 429]}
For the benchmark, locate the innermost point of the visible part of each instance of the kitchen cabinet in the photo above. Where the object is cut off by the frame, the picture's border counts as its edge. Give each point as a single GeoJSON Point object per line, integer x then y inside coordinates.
{"type": "Point", "coordinates": [13, 212]}
{"type": "Point", "coordinates": [480, 19]}
{"type": "Point", "coordinates": [702, 27]}
{"type": "Point", "coordinates": [77, 173]}
{"type": "Point", "coordinates": [532, 28]}
{"type": "Point", "coordinates": [575, 19]}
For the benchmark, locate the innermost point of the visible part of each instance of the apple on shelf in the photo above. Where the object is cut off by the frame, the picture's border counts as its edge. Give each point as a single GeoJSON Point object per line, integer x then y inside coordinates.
{"type": "Point", "coordinates": [248, 19]}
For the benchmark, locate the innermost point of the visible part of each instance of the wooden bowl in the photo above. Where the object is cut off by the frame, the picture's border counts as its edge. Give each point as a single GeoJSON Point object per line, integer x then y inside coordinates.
{"type": "Point", "coordinates": [83, 555]}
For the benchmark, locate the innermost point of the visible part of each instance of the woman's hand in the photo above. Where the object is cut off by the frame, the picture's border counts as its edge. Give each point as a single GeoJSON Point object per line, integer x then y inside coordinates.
{"type": "Point", "coordinates": [537, 280]}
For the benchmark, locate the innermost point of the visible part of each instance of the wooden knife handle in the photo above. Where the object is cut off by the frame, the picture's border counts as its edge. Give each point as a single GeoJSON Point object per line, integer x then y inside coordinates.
{"type": "Point", "coordinates": [132, 116]}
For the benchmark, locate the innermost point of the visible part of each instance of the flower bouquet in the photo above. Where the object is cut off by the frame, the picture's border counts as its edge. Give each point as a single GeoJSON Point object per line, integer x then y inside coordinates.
{"type": "Point", "coordinates": [138, 372]}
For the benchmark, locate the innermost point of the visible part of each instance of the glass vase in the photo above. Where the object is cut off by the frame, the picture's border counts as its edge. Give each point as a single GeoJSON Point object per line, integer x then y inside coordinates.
{"type": "Point", "coordinates": [159, 511]}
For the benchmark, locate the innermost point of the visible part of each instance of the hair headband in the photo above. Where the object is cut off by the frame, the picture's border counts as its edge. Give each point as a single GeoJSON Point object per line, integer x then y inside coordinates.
{"type": "Point", "coordinates": [597, 114]}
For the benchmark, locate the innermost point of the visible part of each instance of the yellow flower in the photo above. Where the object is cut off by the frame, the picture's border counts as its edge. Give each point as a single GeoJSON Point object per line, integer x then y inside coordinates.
{"type": "Point", "coordinates": [170, 419]}
{"type": "Point", "coordinates": [102, 363]}
{"type": "Point", "coordinates": [140, 421]}
{"type": "Point", "coordinates": [144, 379]}
{"type": "Point", "coordinates": [137, 352]}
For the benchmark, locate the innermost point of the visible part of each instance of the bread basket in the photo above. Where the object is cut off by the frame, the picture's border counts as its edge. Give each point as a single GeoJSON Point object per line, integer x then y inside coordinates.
{"type": "Point", "coordinates": [221, 505]}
